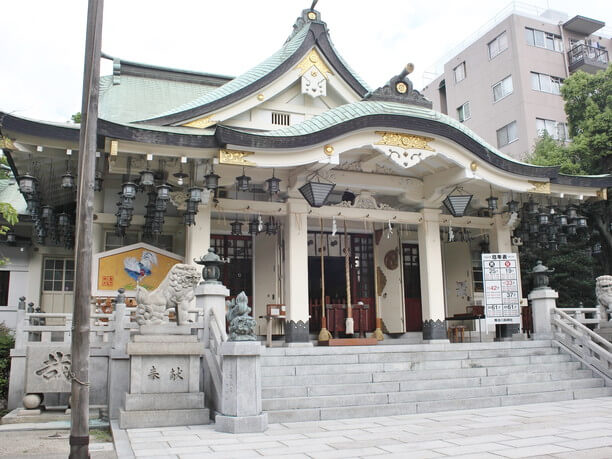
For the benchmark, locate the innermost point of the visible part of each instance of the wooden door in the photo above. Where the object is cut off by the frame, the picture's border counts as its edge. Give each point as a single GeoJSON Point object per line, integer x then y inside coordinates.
{"type": "Point", "coordinates": [412, 287]}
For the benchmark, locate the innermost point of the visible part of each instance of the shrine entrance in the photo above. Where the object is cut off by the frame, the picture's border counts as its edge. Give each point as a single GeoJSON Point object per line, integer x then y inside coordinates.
{"type": "Point", "coordinates": [412, 287]}
{"type": "Point", "coordinates": [360, 273]}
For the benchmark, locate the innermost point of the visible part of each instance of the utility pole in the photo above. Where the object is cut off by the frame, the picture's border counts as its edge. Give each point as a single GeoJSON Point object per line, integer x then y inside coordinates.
{"type": "Point", "coordinates": [79, 427]}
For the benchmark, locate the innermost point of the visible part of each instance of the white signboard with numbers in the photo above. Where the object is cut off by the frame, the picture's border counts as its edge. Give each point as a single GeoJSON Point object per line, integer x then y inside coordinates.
{"type": "Point", "coordinates": [502, 290]}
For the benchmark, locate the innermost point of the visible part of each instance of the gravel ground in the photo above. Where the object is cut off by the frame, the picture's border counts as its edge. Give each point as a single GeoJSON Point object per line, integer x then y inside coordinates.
{"type": "Point", "coordinates": [48, 444]}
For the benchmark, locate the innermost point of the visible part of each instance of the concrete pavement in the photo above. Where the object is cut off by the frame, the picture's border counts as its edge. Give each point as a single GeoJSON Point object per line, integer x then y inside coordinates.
{"type": "Point", "coordinates": [568, 429]}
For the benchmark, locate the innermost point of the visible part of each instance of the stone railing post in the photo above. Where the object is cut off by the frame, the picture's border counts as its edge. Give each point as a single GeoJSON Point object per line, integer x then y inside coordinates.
{"type": "Point", "coordinates": [240, 410]}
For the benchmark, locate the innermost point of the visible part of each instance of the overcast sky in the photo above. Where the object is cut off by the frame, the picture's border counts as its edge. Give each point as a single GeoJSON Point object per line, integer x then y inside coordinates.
{"type": "Point", "coordinates": [42, 41]}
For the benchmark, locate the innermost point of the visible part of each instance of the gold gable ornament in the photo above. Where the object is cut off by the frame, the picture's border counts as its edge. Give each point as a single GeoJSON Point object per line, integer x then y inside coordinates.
{"type": "Point", "coordinates": [407, 141]}
{"type": "Point", "coordinates": [237, 157]}
{"type": "Point", "coordinates": [540, 187]}
{"type": "Point", "coordinates": [201, 123]}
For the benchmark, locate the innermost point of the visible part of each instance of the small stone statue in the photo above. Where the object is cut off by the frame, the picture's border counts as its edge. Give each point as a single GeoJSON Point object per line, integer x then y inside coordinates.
{"type": "Point", "coordinates": [242, 326]}
{"type": "Point", "coordinates": [603, 292]}
{"type": "Point", "coordinates": [175, 291]}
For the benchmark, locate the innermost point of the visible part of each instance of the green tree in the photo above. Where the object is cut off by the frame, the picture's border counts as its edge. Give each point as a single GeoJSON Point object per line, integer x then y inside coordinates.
{"type": "Point", "coordinates": [588, 105]}
{"type": "Point", "coordinates": [7, 211]}
{"type": "Point", "coordinates": [76, 118]}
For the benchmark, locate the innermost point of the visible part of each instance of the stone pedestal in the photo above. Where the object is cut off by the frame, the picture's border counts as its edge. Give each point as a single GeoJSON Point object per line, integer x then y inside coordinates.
{"type": "Point", "coordinates": [543, 301]}
{"type": "Point", "coordinates": [241, 398]}
{"type": "Point", "coordinates": [164, 382]}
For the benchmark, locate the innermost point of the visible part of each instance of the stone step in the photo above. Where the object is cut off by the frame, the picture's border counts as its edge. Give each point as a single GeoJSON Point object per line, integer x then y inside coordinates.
{"type": "Point", "coordinates": [275, 379]}
{"type": "Point", "coordinates": [304, 390]}
{"type": "Point", "coordinates": [344, 412]}
{"type": "Point", "coordinates": [164, 418]}
{"type": "Point", "coordinates": [417, 364]}
{"type": "Point", "coordinates": [390, 357]}
{"type": "Point", "coordinates": [352, 399]}
{"type": "Point", "coordinates": [323, 350]}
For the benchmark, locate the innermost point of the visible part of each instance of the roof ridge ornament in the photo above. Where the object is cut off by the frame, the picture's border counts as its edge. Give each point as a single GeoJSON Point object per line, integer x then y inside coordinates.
{"type": "Point", "coordinates": [307, 16]}
{"type": "Point", "coordinates": [400, 89]}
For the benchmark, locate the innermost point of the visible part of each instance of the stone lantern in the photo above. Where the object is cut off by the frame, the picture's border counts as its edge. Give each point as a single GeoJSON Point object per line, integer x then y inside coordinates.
{"type": "Point", "coordinates": [540, 278]}
{"type": "Point", "coordinates": [212, 266]}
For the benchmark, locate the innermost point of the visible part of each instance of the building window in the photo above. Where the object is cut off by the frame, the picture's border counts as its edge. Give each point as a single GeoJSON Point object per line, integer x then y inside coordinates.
{"type": "Point", "coordinates": [463, 112]}
{"type": "Point", "coordinates": [280, 118]}
{"type": "Point", "coordinates": [502, 88]}
{"type": "Point", "coordinates": [507, 134]}
{"type": "Point", "coordinates": [58, 275]}
{"type": "Point", "coordinates": [543, 39]}
{"type": "Point", "coordinates": [459, 72]}
{"type": "Point", "coordinates": [498, 45]}
{"type": "Point", "coordinates": [546, 83]}
{"type": "Point", "coordinates": [556, 130]}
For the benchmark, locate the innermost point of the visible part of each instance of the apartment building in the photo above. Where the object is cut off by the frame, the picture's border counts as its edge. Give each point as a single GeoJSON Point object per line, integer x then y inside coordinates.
{"type": "Point", "coordinates": [505, 84]}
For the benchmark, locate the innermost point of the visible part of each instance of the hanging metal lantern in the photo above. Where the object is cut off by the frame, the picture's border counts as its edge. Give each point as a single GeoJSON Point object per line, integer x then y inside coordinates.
{"type": "Point", "coordinates": [211, 180]}
{"type": "Point", "coordinates": [236, 228]}
{"type": "Point", "coordinates": [68, 180]}
{"type": "Point", "coordinates": [571, 228]}
{"type": "Point", "coordinates": [189, 218]}
{"type": "Point", "coordinates": [532, 207]}
{"type": "Point", "coordinates": [147, 178]}
{"type": "Point", "coordinates": [316, 193]}
{"type": "Point", "coordinates": [492, 203]}
{"type": "Point", "coordinates": [195, 194]}
{"type": "Point", "coordinates": [47, 212]}
{"type": "Point", "coordinates": [192, 206]}
{"type": "Point", "coordinates": [271, 227]}
{"type": "Point", "coordinates": [27, 184]}
{"type": "Point", "coordinates": [534, 228]}
{"type": "Point", "coordinates": [513, 206]}
{"type": "Point", "coordinates": [572, 212]}
{"type": "Point", "coordinates": [273, 184]}
{"type": "Point", "coordinates": [243, 182]}
{"type": "Point", "coordinates": [525, 236]}
{"type": "Point", "coordinates": [180, 177]}
{"type": "Point", "coordinates": [98, 180]}
{"type": "Point", "coordinates": [543, 218]}
{"type": "Point", "coordinates": [254, 227]}
{"type": "Point", "coordinates": [128, 190]}
{"type": "Point", "coordinates": [163, 192]}
{"type": "Point", "coordinates": [562, 239]}
{"type": "Point", "coordinates": [63, 220]}
{"type": "Point", "coordinates": [561, 220]}
{"type": "Point", "coordinates": [457, 204]}
{"type": "Point", "coordinates": [581, 222]}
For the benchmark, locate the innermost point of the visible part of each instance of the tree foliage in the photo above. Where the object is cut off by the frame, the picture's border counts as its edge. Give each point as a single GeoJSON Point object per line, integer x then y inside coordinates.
{"type": "Point", "coordinates": [76, 118]}
{"type": "Point", "coordinates": [588, 105]}
{"type": "Point", "coordinates": [7, 211]}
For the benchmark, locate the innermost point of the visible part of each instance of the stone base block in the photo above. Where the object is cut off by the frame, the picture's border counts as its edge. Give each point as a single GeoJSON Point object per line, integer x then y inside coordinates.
{"type": "Point", "coordinates": [241, 424]}
{"type": "Point", "coordinates": [165, 329]}
{"type": "Point", "coordinates": [178, 401]}
{"type": "Point", "coordinates": [435, 341]}
{"type": "Point", "coordinates": [299, 344]}
{"type": "Point", "coordinates": [27, 412]}
{"type": "Point", "coordinates": [163, 418]}
{"type": "Point", "coordinates": [165, 339]}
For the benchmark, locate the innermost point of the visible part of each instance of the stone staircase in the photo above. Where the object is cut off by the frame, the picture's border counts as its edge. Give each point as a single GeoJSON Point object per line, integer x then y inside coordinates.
{"type": "Point", "coordinates": [318, 383]}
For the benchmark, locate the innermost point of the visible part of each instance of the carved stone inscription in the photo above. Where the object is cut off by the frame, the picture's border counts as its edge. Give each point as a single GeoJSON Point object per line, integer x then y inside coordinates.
{"type": "Point", "coordinates": [164, 374]}
{"type": "Point", "coordinates": [48, 369]}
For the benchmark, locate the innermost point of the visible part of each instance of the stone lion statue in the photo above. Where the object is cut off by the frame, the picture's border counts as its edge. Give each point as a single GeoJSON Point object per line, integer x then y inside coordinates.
{"type": "Point", "coordinates": [603, 292]}
{"type": "Point", "coordinates": [176, 291]}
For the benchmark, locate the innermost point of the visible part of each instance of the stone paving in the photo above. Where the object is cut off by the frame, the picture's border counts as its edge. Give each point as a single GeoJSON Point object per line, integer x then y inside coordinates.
{"type": "Point", "coordinates": [570, 429]}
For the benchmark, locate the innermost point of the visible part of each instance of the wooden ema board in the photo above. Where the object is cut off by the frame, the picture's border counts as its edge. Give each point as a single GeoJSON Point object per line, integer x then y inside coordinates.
{"type": "Point", "coordinates": [349, 342]}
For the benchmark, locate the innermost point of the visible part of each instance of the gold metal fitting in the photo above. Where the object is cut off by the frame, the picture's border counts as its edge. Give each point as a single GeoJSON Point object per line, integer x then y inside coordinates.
{"type": "Point", "coordinates": [328, 149]}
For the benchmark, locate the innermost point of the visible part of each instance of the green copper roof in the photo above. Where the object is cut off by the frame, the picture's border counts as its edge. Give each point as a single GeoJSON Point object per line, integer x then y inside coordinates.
{"type": "Point", "coordinates": [243, 80]}
{"type": "Point", "coordinates": [136, 98]}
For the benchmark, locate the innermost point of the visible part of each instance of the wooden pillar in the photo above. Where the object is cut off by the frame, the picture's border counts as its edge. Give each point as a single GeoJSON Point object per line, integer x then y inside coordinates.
{"type": "Point", "coordinates": [79, 369]}
{"type": "Point", "coordinates": [296, 272]}
{"type": "Point", "coordinates": [500, 239]}
{"type": "Point", "coordinates": [432, 291]}
{"type": "Point", "coordinates": [197, 239]}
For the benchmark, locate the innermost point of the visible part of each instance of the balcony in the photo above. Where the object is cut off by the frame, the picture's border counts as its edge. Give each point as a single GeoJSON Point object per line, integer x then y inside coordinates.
{"type": "Point", "coordinates": [587, 58]}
